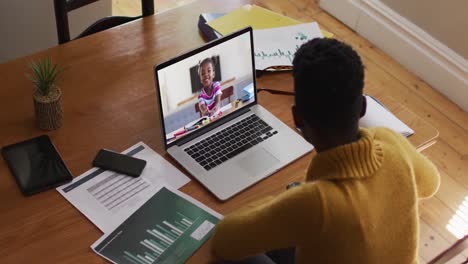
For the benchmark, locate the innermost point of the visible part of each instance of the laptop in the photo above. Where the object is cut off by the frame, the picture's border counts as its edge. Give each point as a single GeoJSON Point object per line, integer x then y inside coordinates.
{"type": "Point", "coordinates": [212, 122]}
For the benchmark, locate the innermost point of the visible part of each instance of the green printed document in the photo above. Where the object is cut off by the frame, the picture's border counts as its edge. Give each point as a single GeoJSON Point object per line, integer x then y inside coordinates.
{"type": "Point", "coordinates": [168, 228]}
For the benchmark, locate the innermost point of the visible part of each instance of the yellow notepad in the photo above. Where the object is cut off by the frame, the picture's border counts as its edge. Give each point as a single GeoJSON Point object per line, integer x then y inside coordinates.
{"type": "Point", "coordinates": [255, 16]}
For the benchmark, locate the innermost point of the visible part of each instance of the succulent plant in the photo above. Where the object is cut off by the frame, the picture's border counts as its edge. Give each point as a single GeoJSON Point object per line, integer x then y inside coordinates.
{"type": "Point", "coordinates": [44, 75]}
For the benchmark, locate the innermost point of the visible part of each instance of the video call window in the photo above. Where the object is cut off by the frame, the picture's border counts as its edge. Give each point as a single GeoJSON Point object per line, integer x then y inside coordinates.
{"type": "Point", "coordinates": [205, 87]}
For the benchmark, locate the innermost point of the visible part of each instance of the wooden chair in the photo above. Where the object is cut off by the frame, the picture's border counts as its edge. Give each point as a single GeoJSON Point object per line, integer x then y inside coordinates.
{"type": "Point", "coordinates": [457, 248]}
{"type": "Point", "coordinates": [226, 93]}
{"type": "Point", "coordinates": [62, 7]}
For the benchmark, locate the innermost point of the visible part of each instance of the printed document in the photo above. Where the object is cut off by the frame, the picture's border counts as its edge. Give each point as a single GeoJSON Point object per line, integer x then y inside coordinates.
{"type": "Point", "coordinates": [168, 228]}
{"type": "Point", "coordinates": [108, 198]}
{"type": "Point", "coordinates": [277, 46]}
{"type": "Point", "coordinates": [377, 115]}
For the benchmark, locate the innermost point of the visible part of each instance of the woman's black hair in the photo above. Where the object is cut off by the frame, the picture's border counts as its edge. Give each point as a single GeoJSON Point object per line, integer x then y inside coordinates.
{"type": "Point", "coordinates": [328, 81]}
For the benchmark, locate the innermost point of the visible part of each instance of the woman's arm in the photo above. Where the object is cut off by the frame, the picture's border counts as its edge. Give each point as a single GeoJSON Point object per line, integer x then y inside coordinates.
{"type": "Point", "coordinates": [427, 176]}
{"type": "Point", "coordinates": [290, 219]}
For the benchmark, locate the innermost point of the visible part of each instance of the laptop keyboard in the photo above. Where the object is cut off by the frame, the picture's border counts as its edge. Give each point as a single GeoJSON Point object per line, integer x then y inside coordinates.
{"type": "Point", "coordinates": [229, 142]}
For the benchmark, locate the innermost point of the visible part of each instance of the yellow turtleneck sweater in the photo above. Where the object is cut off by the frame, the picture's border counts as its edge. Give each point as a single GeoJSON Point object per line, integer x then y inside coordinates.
{"type": "Point", "coordinates": [359, 205]}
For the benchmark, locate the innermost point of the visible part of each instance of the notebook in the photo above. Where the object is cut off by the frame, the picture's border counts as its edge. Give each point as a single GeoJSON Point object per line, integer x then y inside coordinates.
{"type": "Point", "coordinates": [230, 148]}
{"type": "Point", "coordinates": [377, 115]}
{"type": "Point", "coordinates": [254, 16]}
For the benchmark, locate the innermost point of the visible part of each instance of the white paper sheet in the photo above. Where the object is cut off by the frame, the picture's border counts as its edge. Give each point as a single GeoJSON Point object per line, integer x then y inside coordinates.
{"type": "Point", "coordinates": [108, 198]}
{"type": "Point", "coordinates": [377, 115]}
{"type": "Point", "coordinates": [277, 46]}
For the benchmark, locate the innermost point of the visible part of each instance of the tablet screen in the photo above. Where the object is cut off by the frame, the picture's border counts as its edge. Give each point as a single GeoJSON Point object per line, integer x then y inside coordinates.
{"type": "Point", "coordinates": [36, 165]}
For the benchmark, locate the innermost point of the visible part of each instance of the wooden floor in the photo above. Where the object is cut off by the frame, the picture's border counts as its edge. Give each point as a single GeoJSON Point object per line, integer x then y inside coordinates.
{"type": "Point", "coordinates": [384, 75]}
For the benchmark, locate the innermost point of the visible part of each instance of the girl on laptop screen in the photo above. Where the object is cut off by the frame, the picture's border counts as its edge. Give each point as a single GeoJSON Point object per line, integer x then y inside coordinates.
{"type": "Point", "coordinates": [209, 98]}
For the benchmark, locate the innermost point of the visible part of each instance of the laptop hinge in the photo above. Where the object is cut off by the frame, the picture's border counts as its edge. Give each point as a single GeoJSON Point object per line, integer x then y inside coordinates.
{"type": "Point", "coordinates": [213, 126]}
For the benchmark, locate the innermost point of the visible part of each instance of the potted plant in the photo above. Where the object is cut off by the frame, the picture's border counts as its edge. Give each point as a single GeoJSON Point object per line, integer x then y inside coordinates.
{"type": "Point", "coordinates": [47, 95]}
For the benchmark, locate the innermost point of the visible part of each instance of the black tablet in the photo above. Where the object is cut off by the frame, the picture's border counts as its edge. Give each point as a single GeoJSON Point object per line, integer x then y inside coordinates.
{"type": "Point", "coordinates": [36, 165]}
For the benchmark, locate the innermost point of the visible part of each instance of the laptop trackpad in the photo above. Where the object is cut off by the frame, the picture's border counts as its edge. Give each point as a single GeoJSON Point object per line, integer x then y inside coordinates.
{"type": "Point", "coordinates": [256, 162]}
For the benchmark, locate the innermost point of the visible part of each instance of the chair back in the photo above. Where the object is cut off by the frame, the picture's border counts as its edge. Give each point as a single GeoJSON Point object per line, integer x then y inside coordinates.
{"type": "Point", "coordinates": [455, 250]}
{"type": "Point", "coordinates": [62, 7]}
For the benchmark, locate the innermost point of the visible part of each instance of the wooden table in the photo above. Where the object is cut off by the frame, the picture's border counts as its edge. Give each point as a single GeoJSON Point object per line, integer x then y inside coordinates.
{"type": "Point", "coordinates": [109, 101]}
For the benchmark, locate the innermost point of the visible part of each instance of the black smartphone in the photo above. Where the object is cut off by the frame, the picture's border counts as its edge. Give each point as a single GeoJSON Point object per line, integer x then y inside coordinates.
{"type": "Point", "coordinates": [121, 163]}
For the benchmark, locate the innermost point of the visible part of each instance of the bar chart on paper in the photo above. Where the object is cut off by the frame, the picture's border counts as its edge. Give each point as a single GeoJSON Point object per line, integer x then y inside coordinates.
{"type": "Point", "coordinates": [159, 240]}
{"type": "Point", "coordinates": [166, 229]}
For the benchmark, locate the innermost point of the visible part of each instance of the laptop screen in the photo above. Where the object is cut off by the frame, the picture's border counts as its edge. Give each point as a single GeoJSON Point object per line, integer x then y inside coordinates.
{"type": "Point", "coordinates": [200, 88]}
